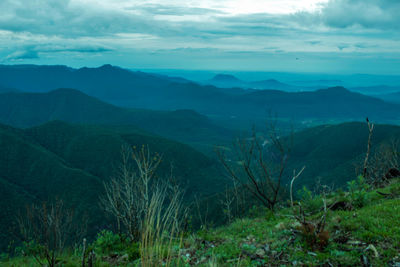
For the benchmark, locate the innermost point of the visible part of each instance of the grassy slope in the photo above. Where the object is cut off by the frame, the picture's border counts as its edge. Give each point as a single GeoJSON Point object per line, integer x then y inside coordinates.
{"type": "Point", "coordinates": [270, 240]}
{"type": "Point", "coordinates": [374, 224]}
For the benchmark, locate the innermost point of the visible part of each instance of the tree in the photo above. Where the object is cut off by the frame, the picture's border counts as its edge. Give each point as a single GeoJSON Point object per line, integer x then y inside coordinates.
{"type": "Point", "coordinates": [259, 165]}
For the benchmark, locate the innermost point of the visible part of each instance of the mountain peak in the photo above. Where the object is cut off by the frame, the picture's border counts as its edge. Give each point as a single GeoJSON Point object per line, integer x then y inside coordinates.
{"type": "Point", "coordinates": [225, 78]}
{"type": "Point", "coordinates": [336, 89]}
{"type": "Point", "coordinates": [107, 66]}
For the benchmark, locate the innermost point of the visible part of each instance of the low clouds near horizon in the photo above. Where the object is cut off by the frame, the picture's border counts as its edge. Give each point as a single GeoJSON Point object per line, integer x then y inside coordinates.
{"type": "Point", "coordinates": [327, 36]}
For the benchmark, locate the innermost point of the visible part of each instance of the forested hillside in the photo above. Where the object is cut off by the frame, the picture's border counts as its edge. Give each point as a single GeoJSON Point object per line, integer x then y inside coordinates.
{"type": "Point", "coordinates": [71, 162]}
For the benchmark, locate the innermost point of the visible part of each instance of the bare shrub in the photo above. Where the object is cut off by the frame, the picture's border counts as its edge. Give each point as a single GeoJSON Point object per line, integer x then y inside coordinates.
{"type": "Point", "coordinates": [259, 164]}
{"type": "Point", "coordinates": [384, 163]}
{"type": "Point", "coordinates": [47, 228]}
{"type": "Point", "coordinates": [127, 196]}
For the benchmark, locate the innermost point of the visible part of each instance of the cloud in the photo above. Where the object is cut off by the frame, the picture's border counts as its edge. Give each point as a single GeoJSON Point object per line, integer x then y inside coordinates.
{"type": "Point", "coordinates": [174, 10]}
{"type": "Point", "coordinates": [365, 45]}
{"type": "Point", "coordinates": [369, 14]}
{"type": "Point", "coordinates": [72, 49]}
{"type": "Point", "coordinates": [22, 55]}
{"type": "Point", "coordinates": [342, 46]}
{"type": "Point", "coordinates": [30, 52]}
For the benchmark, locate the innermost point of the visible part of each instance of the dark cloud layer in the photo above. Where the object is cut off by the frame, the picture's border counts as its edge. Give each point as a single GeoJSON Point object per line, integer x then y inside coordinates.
{"type": "Point", "coordinates": [31, 30]}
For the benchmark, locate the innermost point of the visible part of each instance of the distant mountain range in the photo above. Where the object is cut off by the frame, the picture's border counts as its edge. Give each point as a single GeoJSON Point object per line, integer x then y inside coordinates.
{"type": "Point", "coordinates": [31, 109]}
{"type": "Point", "coordinates": [390, 97]}
{"type": "Point", "coordinates": [140, 90]}
{"type": "Point", "coordinates": [230, 81]}
{"type": "Point", "coordinates": [7, 90]}
{"type": "Point", "coordinates": [376, 89]}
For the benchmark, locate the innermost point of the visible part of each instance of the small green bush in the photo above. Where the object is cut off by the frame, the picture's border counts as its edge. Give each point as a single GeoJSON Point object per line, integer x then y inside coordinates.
{"type": "Point", "coordinates": [358, 192]}
{"type": "Point", "coordinates": [133, 251]}
{"type": "Point", "coordinates": [107, 242]}
{"type": "Point", "coordinates": [310, 202]}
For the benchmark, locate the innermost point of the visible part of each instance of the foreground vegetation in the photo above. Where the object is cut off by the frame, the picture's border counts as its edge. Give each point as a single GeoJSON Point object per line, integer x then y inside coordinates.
{"type": "Point", "coordinates": [150, 225]}
{"type": "Point", "coordinates": [363, 231]}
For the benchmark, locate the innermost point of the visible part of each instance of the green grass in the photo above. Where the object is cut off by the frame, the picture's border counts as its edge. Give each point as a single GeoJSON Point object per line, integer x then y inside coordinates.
{"type": "Point", "coordinates": [270, 240]}
{"type": "Point", "coordinates": [374, 224]}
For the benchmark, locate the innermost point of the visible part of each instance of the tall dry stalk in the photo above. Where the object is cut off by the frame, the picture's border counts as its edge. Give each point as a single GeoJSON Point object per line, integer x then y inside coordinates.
{"type": "Point", "coordinates": [149, 209]}
{"type": "Point", "coordinates": [162, 226]}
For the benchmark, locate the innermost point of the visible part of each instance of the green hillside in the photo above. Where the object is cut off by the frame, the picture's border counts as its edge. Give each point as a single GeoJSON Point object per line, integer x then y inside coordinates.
{"type": "Point", "coordinates": [96, 149]}
{"type": "Point", "coordinates": [71, 161]}
{"type": "Point", "coordinates": [29, 172]}
{"type": "Point", "coordinates": [332, 153]}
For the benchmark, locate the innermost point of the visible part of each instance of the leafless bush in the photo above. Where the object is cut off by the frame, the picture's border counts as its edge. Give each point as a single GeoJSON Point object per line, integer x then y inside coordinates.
{"type": "Point", "coordinates": [127, 196]}
{"type": "Point", "coordinates": [384, 162]}
{"type": "Point", "coordinates": [259, 165]}
{"type": "Point", "coordinates": [148, 209]}
{"type": "Point", "coordinates": [46, 229]}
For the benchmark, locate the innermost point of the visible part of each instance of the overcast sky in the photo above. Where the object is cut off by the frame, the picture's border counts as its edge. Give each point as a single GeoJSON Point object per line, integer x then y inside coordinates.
{"type": "Point", "coordinates": [335, 36]}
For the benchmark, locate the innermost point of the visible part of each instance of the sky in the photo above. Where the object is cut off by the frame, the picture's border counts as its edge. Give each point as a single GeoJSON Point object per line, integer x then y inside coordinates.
{"type": "Point", "coordinates": [329, 36]}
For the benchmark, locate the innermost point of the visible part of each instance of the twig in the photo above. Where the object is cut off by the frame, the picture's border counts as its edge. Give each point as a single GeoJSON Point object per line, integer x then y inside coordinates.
{"type": "Point", "coordinates": [295, 176]}
{"type": "Point", "coordinates": [370, 130]}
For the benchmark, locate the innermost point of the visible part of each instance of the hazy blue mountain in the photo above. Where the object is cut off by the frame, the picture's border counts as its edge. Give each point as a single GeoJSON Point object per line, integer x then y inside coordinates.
{"type": "Point", "coordinates": [230, 81]}
{"type": "Point", "coordinates": [30, 109]}
{"type": "Point", "coordinates": [390, 97]}
{"type": "Point", "coordinates": [376, 90]}
{"type": "Point", "coordinates": [336, 102]}
{"type": "Point", "coordinates": [226, 81]}
{"type": "Point", "coordinates": [141, 90]}
{"type": "Point", "coordinates": [4, 89]}
{"type": "Point", "coordinates": [319, 83]}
